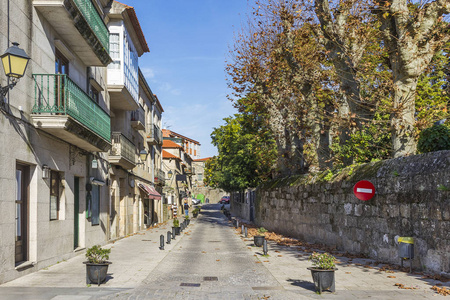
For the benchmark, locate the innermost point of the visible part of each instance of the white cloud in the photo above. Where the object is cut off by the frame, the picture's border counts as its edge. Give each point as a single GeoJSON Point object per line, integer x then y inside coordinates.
{"type": "Point", "coordinates": [148, 73]}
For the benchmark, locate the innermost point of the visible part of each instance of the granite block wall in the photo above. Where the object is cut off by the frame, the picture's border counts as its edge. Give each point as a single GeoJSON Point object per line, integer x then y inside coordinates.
{"type": "Point", "coordinates": [412, 199]}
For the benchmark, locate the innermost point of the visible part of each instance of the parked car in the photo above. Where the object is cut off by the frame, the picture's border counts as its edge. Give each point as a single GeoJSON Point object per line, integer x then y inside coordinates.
{"type": "Point", "coordinates": [225, 200]}
{"type": "Point", "coordinates": [195, 201]}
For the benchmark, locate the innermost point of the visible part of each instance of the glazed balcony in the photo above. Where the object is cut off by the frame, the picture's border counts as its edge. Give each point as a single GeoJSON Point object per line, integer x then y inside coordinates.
{"type": "Point", "coordinates": [154, 136]}
{"type": "Point", "coordinates": [138, 119]}
{"type": "Point", "coordinates": [81, 28]}
{"type": "Point", "coordinates": [63, 109]}
{"type": "Point", "coordinates": [160, 177]}
{"type": "Point", "coordinates": [122, 152]}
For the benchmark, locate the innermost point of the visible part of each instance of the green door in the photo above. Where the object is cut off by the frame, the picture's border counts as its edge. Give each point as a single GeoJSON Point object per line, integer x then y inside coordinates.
{"type": "Point", "coordinates": [76, 212]}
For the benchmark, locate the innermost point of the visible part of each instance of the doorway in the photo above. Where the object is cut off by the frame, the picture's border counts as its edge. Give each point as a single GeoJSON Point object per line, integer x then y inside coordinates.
{"type": "Point", "coordinates": [21, 207]}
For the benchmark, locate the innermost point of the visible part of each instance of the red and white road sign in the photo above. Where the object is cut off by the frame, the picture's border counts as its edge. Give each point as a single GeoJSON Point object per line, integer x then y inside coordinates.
{"type": "Point", "coordinates": [364, 190]}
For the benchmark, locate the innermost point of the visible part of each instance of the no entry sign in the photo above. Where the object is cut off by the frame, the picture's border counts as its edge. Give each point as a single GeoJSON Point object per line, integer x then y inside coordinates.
{"type": "Point", "coordinates": [364, 190]}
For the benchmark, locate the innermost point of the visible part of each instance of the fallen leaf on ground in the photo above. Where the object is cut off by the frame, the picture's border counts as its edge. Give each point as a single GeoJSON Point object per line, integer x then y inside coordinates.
{"type": "Point", "coordinates": [441, 290]}
{"type": "Point", "coordinates": [403, 287]}
{"type": "Point", "coordinates": [266, 261]}
{"type": "Point", "coordinates": [348, 272]}
{"type": "Point", "coordinates": [280, 255]}
{"type": "Point", "coordinates": [391, 276]}
{"type": "Point", "coordinates": [217, 259]}
{"type": "Point", "coordinates": [258, 262]}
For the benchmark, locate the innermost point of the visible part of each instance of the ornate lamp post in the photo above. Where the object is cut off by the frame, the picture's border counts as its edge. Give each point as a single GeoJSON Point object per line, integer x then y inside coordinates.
{"type": "Point", "coordinates": [15, 62]}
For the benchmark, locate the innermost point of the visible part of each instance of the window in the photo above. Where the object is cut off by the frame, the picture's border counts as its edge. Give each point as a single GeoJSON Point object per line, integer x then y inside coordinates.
{"type": "Point", "coordinates": [95, 208]}
{"type": "Point", "coordinates": [55, 194]}
{"type": "Point", "coordinates": [61, 63]}
{"type": "Point", "coordinates": [95, 95]}
{"type": "Point", "coordinates": [114, 51]}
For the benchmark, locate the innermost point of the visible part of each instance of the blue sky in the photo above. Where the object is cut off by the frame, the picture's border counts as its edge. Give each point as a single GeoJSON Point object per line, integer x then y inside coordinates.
{"type": "Point", "coordinates": [189, 42]}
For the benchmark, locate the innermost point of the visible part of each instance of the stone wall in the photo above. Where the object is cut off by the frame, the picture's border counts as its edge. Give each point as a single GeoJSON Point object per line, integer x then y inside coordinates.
{"type": "Point", "coordinates": [412, 199]}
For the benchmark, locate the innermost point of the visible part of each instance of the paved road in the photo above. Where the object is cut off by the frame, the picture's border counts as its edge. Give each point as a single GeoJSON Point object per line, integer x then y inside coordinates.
{"type": "Point", "coordinates": [212, 261]}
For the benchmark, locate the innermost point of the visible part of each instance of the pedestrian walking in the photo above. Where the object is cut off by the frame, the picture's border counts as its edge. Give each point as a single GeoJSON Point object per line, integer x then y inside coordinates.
{"type": "Point", "coordinates": [186, 208]}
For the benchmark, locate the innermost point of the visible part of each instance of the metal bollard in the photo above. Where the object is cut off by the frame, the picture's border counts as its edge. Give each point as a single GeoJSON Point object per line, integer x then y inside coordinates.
{"type": "Point", "coordinates": [265, 247]}
{"type": "Point", "coordinates": [245, 232]}
{"type": "Point", "coordinates": [242, 229]}
{"type": "Point", "coordinates": [161, 242]}
{"type": "Point", "coordinates": [168, 237]}
{"type": "Point", "coordinates": [173, 232]}
{"type": "Point", "coordinates": [237, 223]}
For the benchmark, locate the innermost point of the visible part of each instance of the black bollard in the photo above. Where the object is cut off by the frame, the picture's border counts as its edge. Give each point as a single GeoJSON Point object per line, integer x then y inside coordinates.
{"type": "Point", "coordinates": [161, 242]}
{"type": "Point", "coordinates": [245, 231]}
{"type": "Point", "coordinates": [173, 233]}
{"type": "Point", "coordinates": [265, 247]}
{"type": "Point", "coordinates": [168, 237]}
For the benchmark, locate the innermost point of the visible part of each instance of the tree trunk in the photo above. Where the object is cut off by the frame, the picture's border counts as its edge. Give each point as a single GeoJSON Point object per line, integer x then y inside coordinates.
{"type": "Point", "coordinates": [290, 158]}
{"type": "Point", "coordinates": [402, 118]}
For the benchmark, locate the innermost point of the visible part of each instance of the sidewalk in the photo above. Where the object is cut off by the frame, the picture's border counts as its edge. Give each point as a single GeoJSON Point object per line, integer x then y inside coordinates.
{"type": "Point", "coordinates": [356, 278]}
{"type": "Point", "coordinates": [133, 258]}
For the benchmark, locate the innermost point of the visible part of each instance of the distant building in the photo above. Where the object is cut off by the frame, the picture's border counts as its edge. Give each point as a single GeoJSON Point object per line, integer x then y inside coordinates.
{"type": "Point", "coordinates": [199, 169]}
{"type": "Point", "coordinates": [190, 146]}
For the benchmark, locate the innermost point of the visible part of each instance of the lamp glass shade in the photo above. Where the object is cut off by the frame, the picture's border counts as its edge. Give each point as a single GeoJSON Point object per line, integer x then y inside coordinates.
{"type": "Point", "coordinates": [45, 172]}
{"type": "Point", "coordinates": [15, 61]}
{"type": "Point", "coordinates": [143, 155]}
{"type": "Point", "coordinates": [169, 174]}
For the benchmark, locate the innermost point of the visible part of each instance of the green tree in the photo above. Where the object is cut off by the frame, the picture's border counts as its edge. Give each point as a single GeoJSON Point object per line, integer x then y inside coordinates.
{"type": "Point", "coordinates": [247, 153]}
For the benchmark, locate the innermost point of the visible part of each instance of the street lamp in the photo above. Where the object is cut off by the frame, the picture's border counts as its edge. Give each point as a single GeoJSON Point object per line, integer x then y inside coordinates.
{"type": "Point", "coordinates": [15, 62]}
{"type": "Point", "coordinates": [170, 174]}
{"type": "Point", "coordinates": [143, 156]}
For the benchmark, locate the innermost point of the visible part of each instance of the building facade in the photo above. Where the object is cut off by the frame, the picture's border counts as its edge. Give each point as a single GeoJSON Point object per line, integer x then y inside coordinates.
{"type": "Point", "coordinates": [69, 169]}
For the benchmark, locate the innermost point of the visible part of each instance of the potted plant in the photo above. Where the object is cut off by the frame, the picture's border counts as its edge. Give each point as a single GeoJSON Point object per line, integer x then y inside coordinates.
{"type": "Point", "coordinates": [195, 212]}
{"type": "Point", "coordinates": [176, 226]}
{"type": "Point", "coordinates": [259, 239]}
{"type": "Point", "coordinates": [322, 271]}
{"type": "Point", "coordinates": [97, 264]}
{"type": "Point", "coordinates": [187, 220]}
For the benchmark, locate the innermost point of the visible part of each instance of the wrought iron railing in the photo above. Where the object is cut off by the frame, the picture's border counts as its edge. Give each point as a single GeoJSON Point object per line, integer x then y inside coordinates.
{"type": "Point", "coordinates": [57, 94]}
{"type": "Point", "coordinates": [121, 146]}
{"type": "Point", "coordinates": [96, 23]}
{"type": "Point", "coordinates": [138, 115]}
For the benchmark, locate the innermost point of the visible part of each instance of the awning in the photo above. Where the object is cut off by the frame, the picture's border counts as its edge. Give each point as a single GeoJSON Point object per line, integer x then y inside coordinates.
{"type": "Point", "coordinates": [150, 191]}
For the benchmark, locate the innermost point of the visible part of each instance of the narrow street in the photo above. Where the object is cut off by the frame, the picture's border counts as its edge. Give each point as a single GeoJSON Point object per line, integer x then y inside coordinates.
{"type": "Point", "coordinates": [210, 260]}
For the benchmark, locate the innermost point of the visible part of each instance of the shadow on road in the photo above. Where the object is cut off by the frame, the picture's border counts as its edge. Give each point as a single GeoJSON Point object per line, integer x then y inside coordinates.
{"type": "Point", "coordinates": [307, 285]}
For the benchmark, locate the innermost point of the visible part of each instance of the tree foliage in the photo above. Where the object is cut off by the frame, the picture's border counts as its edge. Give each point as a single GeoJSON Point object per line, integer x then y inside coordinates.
{"type": "Point", "coordinates": [246, 149]}
{"type": "Point", "coordinates": [343, 81]}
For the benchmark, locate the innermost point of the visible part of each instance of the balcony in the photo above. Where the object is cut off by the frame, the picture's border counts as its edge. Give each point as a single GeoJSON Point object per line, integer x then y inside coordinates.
{"type": "Point", "coordinates": [154, 137]}
{"type": "Point", "coordinates": [160, 177]}
{"type": "Point", "coordinates": [63, 109]}
{"type": "Point", "coordinates": [138, 119]}
{"type": "Point", "coordinates": [122, 152]}
{"type": "Point", "coordinates": [80, 26]}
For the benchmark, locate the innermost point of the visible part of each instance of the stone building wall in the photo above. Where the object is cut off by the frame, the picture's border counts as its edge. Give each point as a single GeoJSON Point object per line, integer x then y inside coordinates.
{"type": "Point", "coordinates": [412, 199]}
